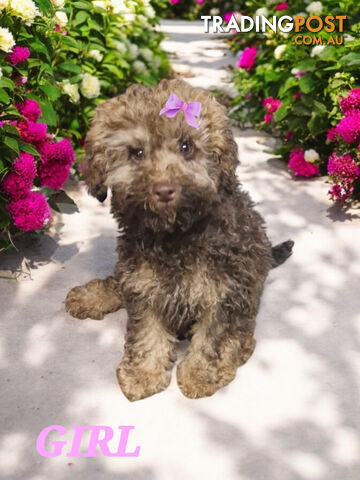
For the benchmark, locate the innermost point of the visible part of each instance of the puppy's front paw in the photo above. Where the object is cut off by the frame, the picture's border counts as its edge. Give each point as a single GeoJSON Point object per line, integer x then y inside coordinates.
{"type": "Point", "coordinates": [137, 382]}
{"type": "Point", "coordinates": [81, 304]}
{"type": "Point", "coordinates": [198, 379]}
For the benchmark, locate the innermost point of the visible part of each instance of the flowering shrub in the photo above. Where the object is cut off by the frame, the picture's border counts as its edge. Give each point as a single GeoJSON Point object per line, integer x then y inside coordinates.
{"type": "Point", "coordinates": [305, 95]}
{"type": "Point", "coordinates": [58, 59]}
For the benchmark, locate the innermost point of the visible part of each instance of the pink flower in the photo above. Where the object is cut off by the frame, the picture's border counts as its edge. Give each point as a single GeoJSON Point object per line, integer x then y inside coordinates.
{"type": "Point", "coordinates": [331, 134]}
{"type": "Point", "coordinates": [32, 132]}
{"type": "Point", "coordinates": [247, 58]}
{"type": "Point", "coordinates": [14, 186]}
{"type": "Point", "coordinates": [18, 55]}
{"type": "Point", "coordinates": [25, 166]}
{"type": "Point", "coordinates": [55, 163]}
{"type": "Point", "coordinates": [269, 117]}
{"type": "Point", "coordinates": [29, 109]}
{"type": "Point", "coordinates": [289, 135]}
{"type": "Point", "coordinates": [281, 6]}
{"type": "Point", "coordinates": [349, 127]}
{"type": "Point", "coordinates": [300, 166]}
{"type": "Point", "coordinates": [174, 2]}
{"type": "Point", "coordinates": [227, 16]}
{"type": "Point", "coordinates": [249, 95]}
{"type": "Point", "coordinates": [351, 104]}
{"type": "Point", "coordinates": [339, 192]}
{"type": "Point", "coordinates": [296, 95]}
{"type": "Point", "coordinates": [30, 212]}
{"type": "Point", "coordinates": [300, 73]}
{"type": "Point", "coordinates": [199, 1]}
{"type": "Point", "coordinates": [343, 168]}
{"type": "Point", "coordinates": [53, 175]}
{"type": "Point", "coordinates": [62, 152]}
{"type": "Point", "coordinates": [271, 104]}
{"type": "Point", "coordinates": [19, 181]}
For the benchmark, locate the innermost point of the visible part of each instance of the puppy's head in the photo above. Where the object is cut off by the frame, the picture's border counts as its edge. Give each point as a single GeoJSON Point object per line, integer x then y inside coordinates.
{"type": "Point", "coordinates": [163, 173]}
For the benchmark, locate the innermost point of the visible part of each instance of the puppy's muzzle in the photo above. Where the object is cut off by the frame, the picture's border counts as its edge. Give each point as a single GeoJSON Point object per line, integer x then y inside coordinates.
{"type": "Point", "coordinates": [164, 192]}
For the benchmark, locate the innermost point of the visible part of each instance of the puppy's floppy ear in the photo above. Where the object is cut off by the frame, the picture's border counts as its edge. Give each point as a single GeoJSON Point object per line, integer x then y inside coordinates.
{"type": "Point", "coordinates": [229, 160]}
{"type": "Point", "coordinates": [94, 164]}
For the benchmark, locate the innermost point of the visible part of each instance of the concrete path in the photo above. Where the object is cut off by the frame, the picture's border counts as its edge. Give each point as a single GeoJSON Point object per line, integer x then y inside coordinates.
{"type": "Point", "coordinates": [291, 414]}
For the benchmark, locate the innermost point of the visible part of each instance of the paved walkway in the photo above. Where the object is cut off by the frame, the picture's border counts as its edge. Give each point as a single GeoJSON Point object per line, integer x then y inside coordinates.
{"type": "Point", "coordinates": [293, 411]}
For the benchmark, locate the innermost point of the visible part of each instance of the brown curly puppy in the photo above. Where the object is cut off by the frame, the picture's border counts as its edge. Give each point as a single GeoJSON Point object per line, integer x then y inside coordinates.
{"type": "Point", "coordinates": [193, 254]}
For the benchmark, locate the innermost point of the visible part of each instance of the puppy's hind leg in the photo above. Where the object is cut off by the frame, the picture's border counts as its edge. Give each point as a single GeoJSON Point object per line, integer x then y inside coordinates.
{"type": "Point", "coordinates": [94, 300]}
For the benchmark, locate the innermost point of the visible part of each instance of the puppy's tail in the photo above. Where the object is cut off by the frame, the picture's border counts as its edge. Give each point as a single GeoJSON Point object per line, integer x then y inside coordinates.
{"type": "Point", "coordinates": [282, 252]}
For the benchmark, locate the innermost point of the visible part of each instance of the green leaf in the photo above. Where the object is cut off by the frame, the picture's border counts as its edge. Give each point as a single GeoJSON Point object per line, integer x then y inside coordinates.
{"type": "Point", "coordinates": [80, 18]}
{"type": "Point", "coordinates": [320, 107]}
{"type": "Point", "coordinates": [301, 110]}
{"type": "Point", "coordinates": [45, 6]}
{"type": "Point", "coordinates": [309, 64]}
{"type": "Point", "coordinates": [34, 62]}
{"type": "Point", "coordinates": [81, 5]}
{"type": "Point", "coordinates": [51, 91]}
{"type": "Point", "coordinates": [48, 114]}
{"type": "Point", "coordinates": [61, 202]}
{"type": "Point", "coordinates": [70, 67]}
{"type": "Point", "coordinates": [272, 76]}
{"type": "Point", "coordinates": [4, 97]}
{"type": "Point", "coordinates": [38, 46]}
{"type": "Point", "coordinates": [317, 124]}
{"type": "Point", "coordinates": [307, 83]}
{"type": "Point", "coordinates": [26, 147]}
{"type": "Point", "coordinates": [350, 59]}
{"type": "Point", "coordinates": [71, 42]}
{"type": "Point", "coordinates": [281, 113]}
{"type": "Point", "coordinates": [11, 129]}
{"type": "Point", "coordinates": [12, 143]}
{"type": "Point", "coordinates": [7, 83]}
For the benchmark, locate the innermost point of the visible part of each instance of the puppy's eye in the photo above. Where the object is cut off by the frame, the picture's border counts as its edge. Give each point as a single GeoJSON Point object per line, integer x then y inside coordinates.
{"type": "Point", "coordinates": [186, 147]}
{"type": "Point", "coordinates": [137, 153]}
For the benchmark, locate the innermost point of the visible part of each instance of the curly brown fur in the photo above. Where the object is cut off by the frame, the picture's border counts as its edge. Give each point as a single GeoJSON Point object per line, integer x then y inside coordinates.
{"type": "Point", "coordinates": [191, 266]}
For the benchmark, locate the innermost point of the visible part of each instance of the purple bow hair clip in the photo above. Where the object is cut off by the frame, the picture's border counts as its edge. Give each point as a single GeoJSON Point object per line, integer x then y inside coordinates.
{"type": "Point", "coordinates": [191, 110]}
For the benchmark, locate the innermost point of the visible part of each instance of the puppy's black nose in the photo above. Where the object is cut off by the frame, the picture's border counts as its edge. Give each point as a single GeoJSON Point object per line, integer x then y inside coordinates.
{"type": "Point", "coordinates": [164, 192]}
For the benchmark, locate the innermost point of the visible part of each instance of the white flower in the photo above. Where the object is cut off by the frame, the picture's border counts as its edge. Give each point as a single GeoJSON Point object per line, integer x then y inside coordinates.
{"type": "Point", "coordinates": [25, 9]}
{"type": "Point", "coordinates": [100, 4]}
{"type": "Point", "coordinates": [118, 6]}
{"type": "Point", "coordinates": [146, 53]}
{"type": "Point", "coordinates": [139, 66]}
{"type": "Point", "coordinates": [96, 54]}
{"type": "Point", "coordinates": [1, 74]}
{"type": "Point", "coordinates": [317, 50]}
{"type": "Point", "coordinates": [278, 52]}
{"type": "Point", "coordinates": [294, 71]}
{"type": "Point", "coordinates": [58, 3]}
{"type": "Point", "coordinates": [348, 38]}
{"type": "Point", "coordinates": [337, 74]}
{"type": "Point", "coordinates": [61, 19]}
{"type": "Point", "coordinates": [134, 50]}
{"type": "Point", "coordinates": [121, 47]}
{"type": "Point", "coordinates": [4, 4]}
{"type": "Point", "coordinates": [72, 90]}
{"type": "Point", "coordinates": [90, 86]}
{"type": "Point", "coordinates": [130, 17]}
{"type": "Point", "coordinates": [262, 12]}
{"type": "Point", "coordinates": [315, 8]}
{"type": "Point", "coordinates": [7, 41]}
{"type": "Point", "coordinates": [214, 11]}
{"type": "Point", "coordinates": [140, 18]}
{"type": "Point", "coordinates": [311, 155]}
{"type": "Point", "coordinates": [301, 14]}
{"type": "Point", "coordinates": [150, 12]}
